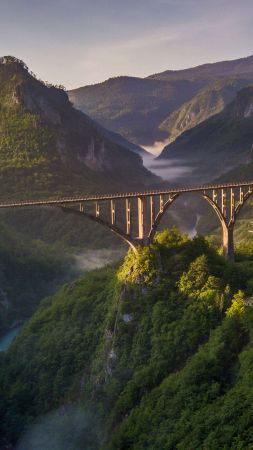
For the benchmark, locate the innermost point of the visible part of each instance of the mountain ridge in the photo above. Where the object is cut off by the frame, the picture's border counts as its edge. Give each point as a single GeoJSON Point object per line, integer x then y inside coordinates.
{"type": "Point", "coordinates": [209, 101]}
{"type": "Point", "coordinates": [219, 69]}
{"type": "Point", "coordinates": [49, 149]}
{"type": "Point", "coordinates": [42, 131]}
{"type": "Point", "coordinates": [138, 107]}
{"type": "Point", "coordinates": [221, 142]}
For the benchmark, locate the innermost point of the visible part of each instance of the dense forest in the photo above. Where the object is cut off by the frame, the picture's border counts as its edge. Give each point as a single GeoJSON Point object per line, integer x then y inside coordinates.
{"type": "Point", "coordinates": [153, 354]}
{"type": "Point", "coordinates": [29, 270]}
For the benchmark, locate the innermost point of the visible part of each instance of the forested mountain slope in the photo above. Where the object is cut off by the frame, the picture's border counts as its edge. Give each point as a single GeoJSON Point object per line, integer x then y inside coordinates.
{"type": "Point", "coordinates": [29, 270]}
{"type": "Point", "coordinates": [209, 101]}
{"type": "Point", "coordinates": [221, 142]}
{"type": "Point", "coordinates": [163, 105]}
{"type": "Point", "coordinates": [156, 354]}
{"type": "Point", "coordinates": [134, 107]}
{"type": "Point", "coordinates": [47, 147]}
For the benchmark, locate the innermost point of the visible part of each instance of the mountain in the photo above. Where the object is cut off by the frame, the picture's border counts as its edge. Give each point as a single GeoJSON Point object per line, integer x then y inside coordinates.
{"type": "Point", "coordinates": [134, 107]}
{"type": "Point", "coordinates": [209, 101]}
{"type": "Point", "coordinates": [221, 69]}
{"type": "Point", "coordinates": [219, 143]}
{"type": "Point", "coordinates": [49, 148]}
{"type": "Point", "coordinates": [146, 110]}
{"type": "Point", "coordinates": [154, 354]}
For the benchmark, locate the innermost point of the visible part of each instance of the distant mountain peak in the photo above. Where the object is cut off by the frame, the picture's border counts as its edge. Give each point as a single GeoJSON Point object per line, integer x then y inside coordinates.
{"type": "Point", "coordinates": [8, 59]}
{"type": "Point", "coordinates": [217, 69]}
{"type": "Point", "coordinates": [160, 107]}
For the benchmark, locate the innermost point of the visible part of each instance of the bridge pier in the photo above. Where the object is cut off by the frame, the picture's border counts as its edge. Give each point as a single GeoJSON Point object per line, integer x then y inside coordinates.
{"type": "Point", "coordinates": [141, 218]}
{"type": "Point", "coordinates": [228, 242]}
{"type": "Point", "coordinates": [227, 200]}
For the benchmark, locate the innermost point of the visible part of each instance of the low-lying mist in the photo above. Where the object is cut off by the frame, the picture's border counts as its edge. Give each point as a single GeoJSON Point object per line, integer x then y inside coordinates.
{"type": "Point", "coordinates": [156, 148]}
{"type": "Point", "coordinates": [94, 259]}
{"type": "Point", "coordinates": [68, 428]}
{"type": "Point", "coordinates": [168, 170]}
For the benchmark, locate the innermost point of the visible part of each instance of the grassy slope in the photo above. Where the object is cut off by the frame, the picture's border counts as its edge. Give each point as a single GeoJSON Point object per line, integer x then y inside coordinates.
{"type": "Point", "coordinates": [177, 366]}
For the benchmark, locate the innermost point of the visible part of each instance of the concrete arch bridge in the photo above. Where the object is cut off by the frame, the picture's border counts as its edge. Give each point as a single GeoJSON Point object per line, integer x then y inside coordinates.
{"type": "Point", "coordinates": [135, 216]}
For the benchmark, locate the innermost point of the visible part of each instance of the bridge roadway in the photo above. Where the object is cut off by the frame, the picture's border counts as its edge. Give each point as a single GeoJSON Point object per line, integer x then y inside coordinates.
{"type": "Point", "coordinates": [102, 197]}
{"type": "Point", "coordinates": [226, 199]}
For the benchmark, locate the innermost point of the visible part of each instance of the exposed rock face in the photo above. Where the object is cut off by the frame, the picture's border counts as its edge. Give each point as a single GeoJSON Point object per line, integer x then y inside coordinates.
{"type": "Point", "coordinates": [162, 106]}
{"type": "Point", "coordinates": [249, 110]}
{"type": "Point", "coordinates": [208, 102]}
{"type": "Point", "coordinates": [96, 157]}
{"type": "Point", "coordinates": [220, 143]}
{"type": "Point", "coordinates": [241, 107]}
{"type": "Point", "coordinates": [43, 129]}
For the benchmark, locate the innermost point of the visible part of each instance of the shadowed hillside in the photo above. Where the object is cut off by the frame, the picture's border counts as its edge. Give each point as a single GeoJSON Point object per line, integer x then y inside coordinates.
{"type": "Point", "coordinates": [162, 106]}
{"type": "Point", "coordinates": [49, 149]}
{"type": "Point", "coordinates": [220, 143]}
{"type": "Point", "coordinates": [163, 343]}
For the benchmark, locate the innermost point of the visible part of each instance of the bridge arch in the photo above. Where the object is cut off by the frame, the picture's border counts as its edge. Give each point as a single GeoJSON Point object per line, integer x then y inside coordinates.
{"type": "Point", "coordinates": [226, 200]}
{"type": "Point", "coordinates": [163, 208]}
{"type": "Point", "coordinates": [227, 212]}
{"type": "Point", "coordinates": [227, 232]}
{"type": "Point", "coordinates": [241, 204]}
{"type": "Point", "coordinates": [126, 238]}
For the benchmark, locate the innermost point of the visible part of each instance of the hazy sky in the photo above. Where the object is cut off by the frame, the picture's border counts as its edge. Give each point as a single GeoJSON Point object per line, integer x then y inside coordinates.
{"type": "Point", "coordinates": [78, 42]}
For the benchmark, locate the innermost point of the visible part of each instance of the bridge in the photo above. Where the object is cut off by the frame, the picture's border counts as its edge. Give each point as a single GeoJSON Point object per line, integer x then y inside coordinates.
{"type": "Point", "coordinates": [135, 216]}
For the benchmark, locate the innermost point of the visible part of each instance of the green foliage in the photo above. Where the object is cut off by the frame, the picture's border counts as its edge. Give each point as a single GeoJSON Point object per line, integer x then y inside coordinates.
{"type": "Point", "coordinates": [160, 348]}
{"type": "Point", "coordinates": [171, 238]}
{"type": "Point", "coordinates": [238, 306]}
{"type": "Point", "coordinates": [196, 278]}
{"type": "Point", "coordinates": [29, 270]}
{"type": "Point", "coordinates": [140, 267]}
{"type": "Point", "coordinates": [44, 153]}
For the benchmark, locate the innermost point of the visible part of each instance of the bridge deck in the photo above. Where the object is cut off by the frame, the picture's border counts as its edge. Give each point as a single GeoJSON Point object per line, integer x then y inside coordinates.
{"type": "Point", "coordinates": [90, 198]}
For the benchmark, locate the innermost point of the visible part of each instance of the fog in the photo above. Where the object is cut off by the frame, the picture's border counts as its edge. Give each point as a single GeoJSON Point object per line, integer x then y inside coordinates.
{"type": "Point", "coordinates": [94, 259]}
{"type": "Point", "coordinates": [168, 170]}
{"type": "Point", "coordinates": [68, 428]}
{"type": "Point", "coordinates": [156, 148]}
{"type": "Point", "coordinates": [176, 173]}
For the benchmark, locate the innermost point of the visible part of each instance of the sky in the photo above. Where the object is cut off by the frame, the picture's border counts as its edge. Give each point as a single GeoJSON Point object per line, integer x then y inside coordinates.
{"type": "Point", "coordinates": [80, 42]}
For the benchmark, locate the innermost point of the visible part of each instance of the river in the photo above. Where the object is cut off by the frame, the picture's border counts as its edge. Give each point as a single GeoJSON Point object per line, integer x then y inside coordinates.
{"type": "Point", "coordinates": [6, 339]}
